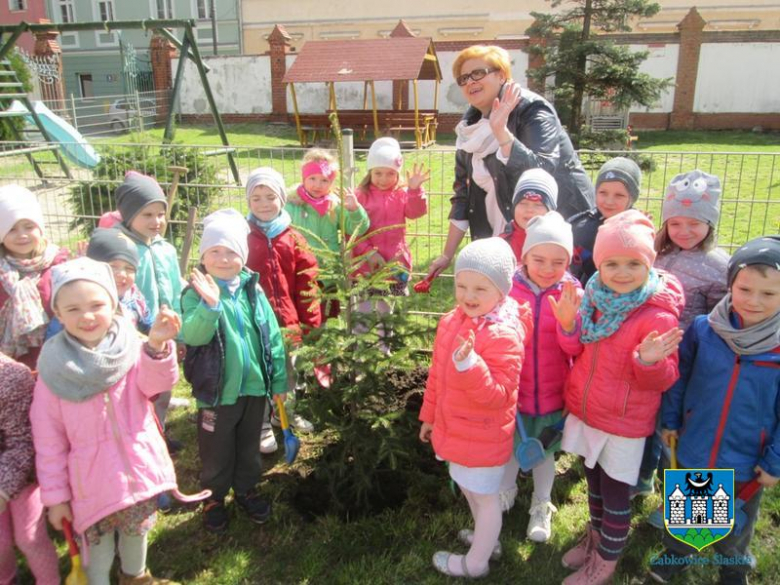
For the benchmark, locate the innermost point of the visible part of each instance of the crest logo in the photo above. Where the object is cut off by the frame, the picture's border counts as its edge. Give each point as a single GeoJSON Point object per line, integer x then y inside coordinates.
{"type": "Point", "coordinates": [699, 505]}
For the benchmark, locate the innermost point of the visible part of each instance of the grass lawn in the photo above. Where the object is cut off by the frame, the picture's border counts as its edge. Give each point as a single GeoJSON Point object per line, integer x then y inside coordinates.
{"type": "Point", "coordinates": [395, 546]}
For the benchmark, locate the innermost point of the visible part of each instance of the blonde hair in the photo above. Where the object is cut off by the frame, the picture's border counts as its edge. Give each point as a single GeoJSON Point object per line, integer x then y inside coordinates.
{"type": "Point", "coordinates": [320, 154]}
{"type": "Point", "coordinates": [663, 243]}
{"type": "Point", "coordinates": [42, 245]}
{"type": "Point", "coordinates": [492, 55]}
{"type": "Point", "coordinates": [363, 185]}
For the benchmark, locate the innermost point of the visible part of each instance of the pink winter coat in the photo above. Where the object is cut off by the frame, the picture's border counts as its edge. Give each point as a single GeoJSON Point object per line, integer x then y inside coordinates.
{"type": "Point", "coordinates": [609, 389]}
{"type": "Point", "coordinates": [547, 365]}
{"type": "Point", "coordinates": [106, 453]}
{"type": "Point", "coordinates": [473, 412]}
{"type": "Point", "coordinates": [386, 208]}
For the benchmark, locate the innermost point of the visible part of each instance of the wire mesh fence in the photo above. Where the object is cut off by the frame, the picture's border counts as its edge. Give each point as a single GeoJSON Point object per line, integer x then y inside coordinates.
{"type": "Point", "coordinates": [750, 202]}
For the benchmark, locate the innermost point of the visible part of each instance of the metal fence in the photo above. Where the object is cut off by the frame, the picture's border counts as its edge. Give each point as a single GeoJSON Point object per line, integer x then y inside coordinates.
{"type": "Point", "coordinates": [750, 203]}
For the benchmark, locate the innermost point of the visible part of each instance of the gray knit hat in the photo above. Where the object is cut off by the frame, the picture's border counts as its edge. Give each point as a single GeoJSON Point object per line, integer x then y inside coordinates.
{"type": "Point", "coordinates": [268, 177]}
{"type": "Point", "coordinates": [82, 269]}
{"type": "Point", "coordinates": [623, 170]}
{"type": "Point", "coordinates": [537, 183]}
{"type": "Point", "coordinates": [492, 258]}
{"type": "Point", "coordinates": [694, 194]}
{"type": "Point", "coordinates": [549, 228]}
{"type": "Point", "coordinates": [764, 250]}
{"type": "Point", "coordinates": [135, 193]}
{"type": "Point", "coordinates": [106, 245]}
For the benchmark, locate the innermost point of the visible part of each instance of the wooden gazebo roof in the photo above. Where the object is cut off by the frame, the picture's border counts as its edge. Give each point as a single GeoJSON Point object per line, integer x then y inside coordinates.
{"type": "Point", "coordinates": [365, 60]}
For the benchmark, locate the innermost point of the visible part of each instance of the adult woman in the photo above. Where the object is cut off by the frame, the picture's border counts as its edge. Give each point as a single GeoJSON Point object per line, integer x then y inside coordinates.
{"type": "Point", "coordinates": [505, 132]}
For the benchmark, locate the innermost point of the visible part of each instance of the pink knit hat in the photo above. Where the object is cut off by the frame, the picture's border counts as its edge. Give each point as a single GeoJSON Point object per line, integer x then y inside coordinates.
{"type": "Point", "coordinates": [629, 233]}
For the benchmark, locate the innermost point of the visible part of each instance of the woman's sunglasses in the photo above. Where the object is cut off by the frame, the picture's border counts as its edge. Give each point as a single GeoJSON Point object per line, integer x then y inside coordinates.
{"type": "Point", "coordinates": [475, 75]}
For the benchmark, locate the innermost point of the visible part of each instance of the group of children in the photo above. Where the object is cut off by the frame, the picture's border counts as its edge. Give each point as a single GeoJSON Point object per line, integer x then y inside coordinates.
{"type": "Point", "coordinates": [576, 325]}
{"type": "Point", "coordinates": [88, 353]}
{"type": "Point", "coordinates": [557, 324]}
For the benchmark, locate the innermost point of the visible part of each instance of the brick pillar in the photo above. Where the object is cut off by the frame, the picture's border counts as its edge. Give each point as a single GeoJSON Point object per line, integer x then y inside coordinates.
{"type": "Point", "coordinates": [46, 46]}
{"type": "Point", "coordinates": [401, 87]}
{"type": "Point", "coordinates": [691, 28]}
{"type": "Point", "coordinates": [161, 53]}
{"type": "Point", "coordinates": [279, 46]}
{"type": "Point", "coordinates": [535, 61]}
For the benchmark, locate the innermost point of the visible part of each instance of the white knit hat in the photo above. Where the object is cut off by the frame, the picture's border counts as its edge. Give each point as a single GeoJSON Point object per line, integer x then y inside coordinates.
{"type": "Point", "coordinates": [385, 152]}
{"type": "Point", "coordinates": [270, 178]}
{"type": "Point", "coordinates": [83, 269]}
{"type": "Point", "coordinates": [17, 203]}
{"type": "Point", "coordinates": [493, 258]}
{"type": "Point", "coordinates": [537, 183]}
{"type": "Point", "coordinates": [226, 227]}
{"type": "Point", "coordinates": [549, 228]}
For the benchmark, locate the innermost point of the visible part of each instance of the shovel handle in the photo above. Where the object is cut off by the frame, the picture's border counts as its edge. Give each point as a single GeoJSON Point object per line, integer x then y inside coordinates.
{"type": "Point", "coordinates": [673, 451]}
{"type": "Point", "coordinates": [73, 548]}
{"type": "Point", "coordinates": [521, 427]}
{"type": "Point", "coordinates": [282, 412]}
{"type": "Point", "coordinates": [749, 490]}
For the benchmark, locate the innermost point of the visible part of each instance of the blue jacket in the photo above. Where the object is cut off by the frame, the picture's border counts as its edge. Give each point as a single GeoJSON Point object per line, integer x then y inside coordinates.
{"type": "Point", "coordinates": [725, 407]}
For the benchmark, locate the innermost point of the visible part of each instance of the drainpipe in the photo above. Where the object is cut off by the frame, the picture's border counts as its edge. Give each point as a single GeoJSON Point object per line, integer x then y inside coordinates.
{"type": "Point", "coordinates": [240, 17]}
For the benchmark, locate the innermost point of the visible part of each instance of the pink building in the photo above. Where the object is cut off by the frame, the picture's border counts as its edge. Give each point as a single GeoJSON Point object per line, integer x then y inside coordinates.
{"type": "Point", "coordinates": [13, 11]}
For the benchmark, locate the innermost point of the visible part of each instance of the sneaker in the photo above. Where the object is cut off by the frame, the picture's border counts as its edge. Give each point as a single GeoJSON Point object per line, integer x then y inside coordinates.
{"type": "Point", "coordinates": [297, 422]}
{"type": "Point", "coordinates": [597, 571]}
{"type": "Point", "coordinates": [177, 402]}
{"type": "Point", "coordinates": [668, 564]}
{"type": "Point", "coordinates": [656, 518]}
{"type": "Point", "coordinates": [164, 503]}
{"type": "Point", "coordinates": [641, 491]}
{"type": "Point", "coordinates": [215, 516]}
{"type": "Point", "coordinates": [731, 576]}
{"type": "Point", "coordinates": [267, 439]}
{"type": "Point", "coordinates": [579, 555]}
{"type": "Point", "coordinates": [540, 522]}
{"type": "Point", "coordinates": [466, 536]}
{"type": "Point", "coordinates": [258, 510]}
{"type": "Point", "coordinates": [506, 498]}
{"type": "Point", "coordinates": [174, 445]}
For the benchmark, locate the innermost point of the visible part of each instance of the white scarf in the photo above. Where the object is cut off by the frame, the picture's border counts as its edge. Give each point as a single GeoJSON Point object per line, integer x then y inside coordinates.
{"type": "Point", "coordinates": [478, 139]}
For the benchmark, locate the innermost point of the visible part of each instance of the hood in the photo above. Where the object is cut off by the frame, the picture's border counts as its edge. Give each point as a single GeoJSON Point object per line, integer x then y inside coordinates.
{"type": "Point", "coordinates": [669, 295]}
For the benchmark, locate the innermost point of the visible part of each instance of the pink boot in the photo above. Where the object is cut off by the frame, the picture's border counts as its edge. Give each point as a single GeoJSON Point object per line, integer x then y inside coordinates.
{"type": "Point", "coordinates": [581, 553]}
{"type": "Point", "coordinates": [596, 571]}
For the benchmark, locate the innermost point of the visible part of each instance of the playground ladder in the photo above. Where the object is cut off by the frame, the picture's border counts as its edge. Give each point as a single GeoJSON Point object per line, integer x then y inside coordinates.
{"type": "Point", "coordinates": [11, 88]}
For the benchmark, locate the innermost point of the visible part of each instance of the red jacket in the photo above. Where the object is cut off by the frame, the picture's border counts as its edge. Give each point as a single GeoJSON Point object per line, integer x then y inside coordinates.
{"type": "Point", "coordinates": [609, 389]}
{"type": "Point", "coordinates": [516, 239]}
{"type": "Point", "coordinates": [288, 276]}
{"type": "Point", "coordinates": [547, 365]}
{"type": "Point", "coordinates": [30, 359]}
{"type": "Point", "coordinates": [473, 412]}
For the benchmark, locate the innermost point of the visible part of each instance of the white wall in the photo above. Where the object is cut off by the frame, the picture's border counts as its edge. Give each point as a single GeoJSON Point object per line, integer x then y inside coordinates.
{"type": "Point", "coordinates": [738, 77]}
{"type": "Point", "coordinates": [661, 63]}
{"type": "Point", "coordinates": [241, 85]}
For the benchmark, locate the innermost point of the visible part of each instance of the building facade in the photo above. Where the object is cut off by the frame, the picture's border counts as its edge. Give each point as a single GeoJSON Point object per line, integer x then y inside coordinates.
{"type": "Point", "coordinates": [13, 11]}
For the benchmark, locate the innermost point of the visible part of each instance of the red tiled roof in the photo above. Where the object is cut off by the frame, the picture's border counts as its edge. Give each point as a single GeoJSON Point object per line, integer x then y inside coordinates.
{"type": "Point", "coordinates": [364, 60]}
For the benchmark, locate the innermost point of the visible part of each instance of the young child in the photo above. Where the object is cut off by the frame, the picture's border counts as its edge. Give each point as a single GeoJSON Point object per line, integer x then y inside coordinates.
{"type": "Point", "coordinates": [686, 248]}
{"type": "Point", "coordinates": [626, 349]}
{"type": "Point", "coordinates": [470, 401]}
{"type": "Point", "coordinates": [536, 193]}
{"type": "Point", "coordinates": [118, 251]}
{"type": "Point", "coordinates": [142, 205]}
{"type": "Point", "coordinates": [235, 363]}
{"type": "Point", "coordinates": [540, 282]}
{"type": "Point", "coordinates": [22, 520]}
{"type": "Point", "coordinates": [26, 259]}
{"type": "Point", "coordinates": [617, 189]}
{"type": "Point", "coordinates": [388, 203]}
{"type": "Point", "coordinates": [724, 408]}
{"type": "Point", "coordinates": [316, 209]}
{"type": "Point", "coordinates": [100, 457]}
{"type": "Point", "coordinates": [288, 275]}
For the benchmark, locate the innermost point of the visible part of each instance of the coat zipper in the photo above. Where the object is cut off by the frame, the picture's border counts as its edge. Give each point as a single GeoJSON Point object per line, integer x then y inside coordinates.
{"type": "Point", "coordinates": [538, 299]}
{"type": "Point", "coordinates": [244, 349]}
{"type": "Point", "coordinates": [724, 413]}
{"type": "Point", "coordinates": [273, 280]}
{"type": "Point", "coordinates": [587, 384]}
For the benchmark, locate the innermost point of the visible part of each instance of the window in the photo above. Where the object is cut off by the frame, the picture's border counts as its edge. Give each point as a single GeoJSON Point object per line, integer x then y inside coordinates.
{"type": "Point", "coordinates": [66, 11]}
{"type": "Point", "coordinates": [106, 10]}
{"type": "Point", "coordinates": [85, 85]}
{"type": "Point", "coordinates": [164, 8]}
{"type": "Point", "coordinates": [204, 9]}
{"type": "Point", "coordinates": [17, 5]}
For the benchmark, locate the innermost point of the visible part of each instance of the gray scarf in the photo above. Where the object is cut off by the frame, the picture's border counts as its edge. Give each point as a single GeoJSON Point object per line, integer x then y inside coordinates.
{"type": "Point", "coordinates": [760, 338]}
{"type": "Point", "coordinates": [76, 373]}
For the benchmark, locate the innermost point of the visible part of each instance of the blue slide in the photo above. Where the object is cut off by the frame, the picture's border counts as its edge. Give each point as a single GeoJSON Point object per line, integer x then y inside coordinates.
{"type": "Point", "coordinates": [74, 146]}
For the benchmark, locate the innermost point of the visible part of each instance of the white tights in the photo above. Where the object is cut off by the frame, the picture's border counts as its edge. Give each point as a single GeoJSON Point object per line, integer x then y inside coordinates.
{"type": "Point", "coordinates": [486, 511]}
{"type": "Point", "coordinates": [132, 557]}
{"type": "Point", "coordinates": [544, 475]}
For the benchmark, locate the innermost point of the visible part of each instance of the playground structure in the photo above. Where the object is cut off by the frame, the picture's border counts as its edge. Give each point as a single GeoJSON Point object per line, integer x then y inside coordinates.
{"type": "Point", "coordinates": [188, 47]}
{"type": "Point", "coordinates": [397, 59]}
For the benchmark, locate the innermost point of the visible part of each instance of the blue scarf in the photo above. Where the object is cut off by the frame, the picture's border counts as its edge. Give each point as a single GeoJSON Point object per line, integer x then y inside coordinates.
{"type": "Point", "coordinates": [614, 307]}
{"type": "Point", "coordinates": [274, 227]}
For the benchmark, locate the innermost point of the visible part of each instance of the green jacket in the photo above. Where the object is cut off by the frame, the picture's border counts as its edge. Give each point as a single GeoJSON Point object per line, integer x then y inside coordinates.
{"type": "Point", "coordinates": [325, 226]}
{"type": "Point", "coordinates": [244, 371]}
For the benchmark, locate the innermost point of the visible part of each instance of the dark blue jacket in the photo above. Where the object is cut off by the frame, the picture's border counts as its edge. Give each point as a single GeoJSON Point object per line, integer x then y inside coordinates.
{"type": "Point", "coordinates": [725, 407]}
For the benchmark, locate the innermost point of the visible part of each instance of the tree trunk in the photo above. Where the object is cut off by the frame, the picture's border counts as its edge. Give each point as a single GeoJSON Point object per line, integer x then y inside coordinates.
{"type": "Point", "coordinates": [579, 80]}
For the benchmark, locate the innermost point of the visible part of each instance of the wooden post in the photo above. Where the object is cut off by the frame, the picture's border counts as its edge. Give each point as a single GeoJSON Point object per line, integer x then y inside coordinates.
{"type": "Point", "coordinates": [417, 132]}
{"type": "Point", "coordinates": [297, 117]}
{"type": "Point", "coordinates": [189, 234]}
{"type": "Point", "coordinates": [373, 105]}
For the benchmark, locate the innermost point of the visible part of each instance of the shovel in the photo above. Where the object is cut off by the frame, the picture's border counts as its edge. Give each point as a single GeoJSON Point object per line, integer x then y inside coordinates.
{"type": "Point", "coordinates": [530, 452]}
{"type": "Point", "coordinates": [424, 285]}
{"type": "Point", "coordinates": [743, 497]}
{"type": "Point", "coordinates": [77, 576]}
{"type": "Point", "coordinates": [291, 442]}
